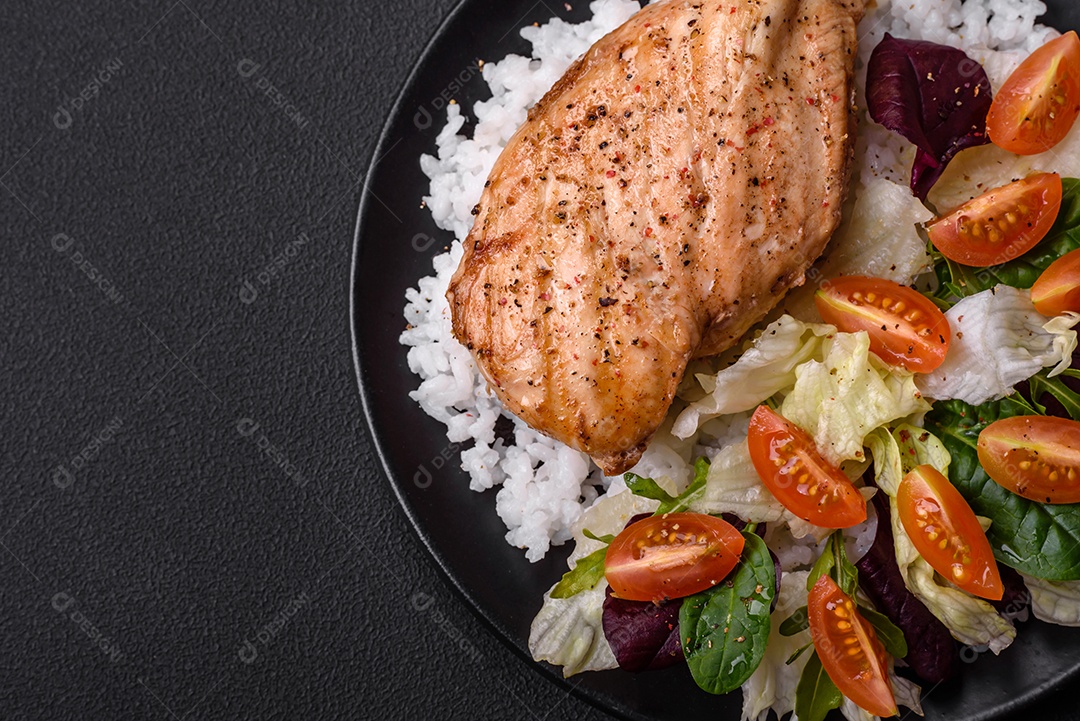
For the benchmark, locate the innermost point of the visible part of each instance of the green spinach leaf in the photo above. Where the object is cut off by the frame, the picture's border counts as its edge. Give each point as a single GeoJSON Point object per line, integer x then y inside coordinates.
{"type": "Point", "coordinates": [584, 575]}
{"type": "Point", "coordinates": [798, 652]}
{"type": "Point", "coordinates": [647, 488]}
{"type": "Point", "coordinates": [845, 573]}
{"type": "Point", "coordinates": [608, 538]}
{"type": "Point", "coordinates": [961, 281]}
{"type": "Point", "coordinates": [1041, 383]}
{"type": "Point", "coordinates": [725, 629]}
{"type": "Point", "coordinates": [891, 637]}
{"type": "Point", "coordinates": [823, 565]}
{"type": "Point", "coordinates": [797, 622]}
{"type": "Point", "coordinates": [834, 561]}
{"type": "Point", "coordinates": [695, 489]}
{"type": "Point", "coordinates": [1039, 540]}
{"type": "Point", "coordinates": [816, 695]}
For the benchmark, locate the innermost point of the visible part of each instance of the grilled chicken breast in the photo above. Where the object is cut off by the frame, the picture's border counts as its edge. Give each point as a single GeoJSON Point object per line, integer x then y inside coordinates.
{"type": "Point", "coordinates": [659, 201]}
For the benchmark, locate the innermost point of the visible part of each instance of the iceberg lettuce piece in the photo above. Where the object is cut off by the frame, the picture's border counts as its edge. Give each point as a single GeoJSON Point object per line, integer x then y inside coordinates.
{"type": "Point", "coordinates": [772, 686]}
{"type": "Point", "coordinates": [878, 238]}
{"type": "Point", "coordinates": [999, 339]}
{"type": "Point", "coordinates": [764, 369]}
{"type": "Point", "coordinates": [969, 619]}
{"type": "Point", "coordinates": [1055, 602]}
{"type": "Point", "coordinates": [569, 632]}
{"type": "Point", "coordinates": [733, 486]}
{"type": "Point", "coordinates": [848, 393]}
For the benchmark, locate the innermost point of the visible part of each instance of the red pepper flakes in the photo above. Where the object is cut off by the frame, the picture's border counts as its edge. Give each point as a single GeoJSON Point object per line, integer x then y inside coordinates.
{"type": "Point", "coordinates": [768, 121]}
{"type": "Point", "coordinates": [611, 173]}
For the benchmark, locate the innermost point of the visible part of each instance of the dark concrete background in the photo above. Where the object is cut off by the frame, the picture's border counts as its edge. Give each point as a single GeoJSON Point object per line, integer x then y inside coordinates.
{"type": "Point", "coordinates": [192, 524]}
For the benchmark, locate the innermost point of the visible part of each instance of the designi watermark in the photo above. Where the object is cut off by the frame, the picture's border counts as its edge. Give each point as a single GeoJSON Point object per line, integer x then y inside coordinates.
{"type": "Point", "coordinates": [62, 243]}
{"type": "Point", "coordinates": [248, 69]}
{"type": "Point", "coordinates": [249, 651]}
{"type": "Point", "coordinates": [248, 428]}
{"type": "Point", "coordinates": [249, 293]}
{"type": "Point", "coordinates": [64, 475]}
{"type": "Point", "coordinates": [65, 113]}
{"type": "Point", "coordinates": [62, 602]}
{"type": "Point", "coordinates": [424, 603]}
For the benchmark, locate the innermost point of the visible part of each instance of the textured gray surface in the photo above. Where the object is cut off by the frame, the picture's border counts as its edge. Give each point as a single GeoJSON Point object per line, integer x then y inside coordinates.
{"type": "Point", "coordinates": [173, 567]}
{"type": "Point", "coordinates": [178, 179]}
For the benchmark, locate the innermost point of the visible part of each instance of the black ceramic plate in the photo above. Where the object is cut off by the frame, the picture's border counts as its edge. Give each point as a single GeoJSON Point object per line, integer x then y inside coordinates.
{"type": "Point", "coordinates": [395, 241]}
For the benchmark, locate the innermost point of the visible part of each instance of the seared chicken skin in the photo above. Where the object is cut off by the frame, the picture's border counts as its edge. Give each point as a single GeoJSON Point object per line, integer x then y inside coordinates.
{"type": "Point", "coordinates": [659, 201]}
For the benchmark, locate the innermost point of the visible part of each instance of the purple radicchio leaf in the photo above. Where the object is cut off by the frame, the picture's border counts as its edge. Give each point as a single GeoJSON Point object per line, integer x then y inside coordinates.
{"type": "Point", "coordinates": [1016, 598]}
{"type": "Point", "coordinates": [935, 96]}
{"type": "Point", "coordinates": [643, 636]}
{"type": "Point", "coordinates": [932, 652]}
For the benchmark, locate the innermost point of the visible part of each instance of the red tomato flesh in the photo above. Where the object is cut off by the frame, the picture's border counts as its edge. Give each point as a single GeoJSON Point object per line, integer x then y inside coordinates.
{"type": "Point", "coordinates": [790, 466]}
{"type": "Point", "coordinates": [1058, 288]}
{"type": "Point", "coordinates": [946, 532]}
{"type": "Point", "coordinates": [849, 649]}
{"type": "Point", "coordinates": [905, 327]}
{"type": "Point", "coordinates": [999, 225]}
{"type": "Point", "coordinates": [1037, 106]}
{"type": "Point", "coordinates": [1037, 457]}
{"type": "Point", "coordinates": [671, 556]}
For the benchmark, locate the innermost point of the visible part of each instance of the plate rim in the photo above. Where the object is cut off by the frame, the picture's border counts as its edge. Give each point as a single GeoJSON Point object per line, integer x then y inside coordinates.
{"type": "Point", "coordinates": [434, 556]}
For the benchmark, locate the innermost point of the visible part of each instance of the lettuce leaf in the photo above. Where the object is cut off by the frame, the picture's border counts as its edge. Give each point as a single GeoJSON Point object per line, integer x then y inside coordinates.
{"type": "Point", "coordinates": [1036, 539]}
{"type": "Point", "coordinates": [569, 632]}
{"type": "Point", "coordinates": [848, 393]}
{"type": "Point", "coordinates": [999, 339]}
{"type": "Point", "coordinates": [1054, 601]}
{"type": "Point", "coordinates": [933, 654]}
{"type": "Point", "coordinates": [764, 369]}
{"type": "Point", "coordinates": [969, 619]}
{"type": "Point", "coordinates": [772, 686]}
{"type": "Point", "coordinates": [734, 487]}
{"type": "Point", "coordinates": [960, 281]}
{"type": "Point", "coordinates": [878, 238]}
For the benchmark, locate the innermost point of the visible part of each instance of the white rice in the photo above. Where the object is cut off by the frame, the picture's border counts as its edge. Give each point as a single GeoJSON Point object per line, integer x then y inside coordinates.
{"type": "Point", "coordinates": [544, 485]}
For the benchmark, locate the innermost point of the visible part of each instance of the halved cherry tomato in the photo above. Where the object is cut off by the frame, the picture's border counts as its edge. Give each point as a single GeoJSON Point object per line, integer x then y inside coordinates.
{"type": "Point", "coordinates": [1058, 288]}
{"type": "Point", "coordinates": [1037, 106]}
{"type": "Point", "coordinates": [671, 556]}
{"type": "Point", "coordinates": [790, 466]}
{"type": "Point", "coordinates": [905, 327]}
{"type": "Point", "coordinates": [946, 532]}
{"type": "Point", "coordinates": [1001, 224]}
{"type": "Point", "coordinates": [1037, 457]}
{"type": "Point", "coordinates": [849, 649]}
